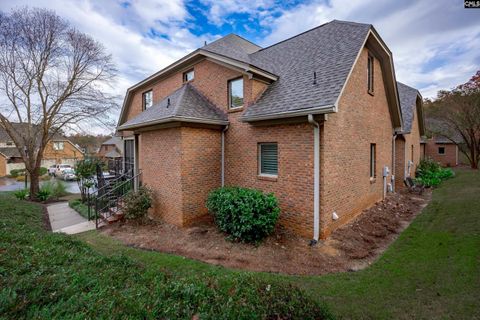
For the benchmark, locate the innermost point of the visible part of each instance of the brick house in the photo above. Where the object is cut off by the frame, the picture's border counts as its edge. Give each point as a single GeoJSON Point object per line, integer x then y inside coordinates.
{"type": "Point", "coordinates": [58, 150]}
{"type": "Point", "coordinates": [441, 150]}
{"type": "Point", "coordinates": [112, 148]}
{"type": "Point", "coordinates": [408, 146]}
{"type": "Point", "coordinates": [311, 119]}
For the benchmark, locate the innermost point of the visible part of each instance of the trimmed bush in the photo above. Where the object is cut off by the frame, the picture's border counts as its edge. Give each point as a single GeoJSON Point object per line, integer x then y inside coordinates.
{"type": "Point", "coordinates": [244, 214]}
{"type": "Point", "coordinates": [430, 174]}
{"type": "Point", "coordinates": [137, 203]}
{"type": "Point", "coordinates": [16, 172]}
{"type": "Point", "coordinates": [43, 171]}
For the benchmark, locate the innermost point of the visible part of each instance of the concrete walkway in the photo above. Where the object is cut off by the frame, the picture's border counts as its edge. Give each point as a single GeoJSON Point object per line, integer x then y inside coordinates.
{"type": "Point", "coordinates": [65, 219]}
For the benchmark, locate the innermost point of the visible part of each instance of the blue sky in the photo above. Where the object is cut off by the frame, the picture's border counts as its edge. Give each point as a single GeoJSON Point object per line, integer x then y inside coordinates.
{"type": "Point", "coordinates": [436, 44]}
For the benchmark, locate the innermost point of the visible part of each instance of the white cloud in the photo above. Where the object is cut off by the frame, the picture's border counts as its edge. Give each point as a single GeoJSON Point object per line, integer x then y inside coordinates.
{"type": "Point", "coordinates": [436, 44]}
{"type": "Point", "coordinates": [219, 11]}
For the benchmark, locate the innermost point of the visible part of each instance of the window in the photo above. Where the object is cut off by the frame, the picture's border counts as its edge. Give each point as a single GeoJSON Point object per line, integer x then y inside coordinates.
{"type": "Point", "coordinates": [373, 160]}
{"type": "Point", "coordinates": [268, 158]}
{"type": "Point", "coordinates": [235, 93]}
{"type": "Point", "coordinates": [411, 156]}
{"type": "Point", "coordinates": [441, 150]}
{"type": "Point", "coordinates": [58, 146]}
{"type": "Point", "coordinates": [147, 99]}
{"type": "Point", "coordinates": [189, 75]}
{"type": "Point", "coordinates": [370, 71]}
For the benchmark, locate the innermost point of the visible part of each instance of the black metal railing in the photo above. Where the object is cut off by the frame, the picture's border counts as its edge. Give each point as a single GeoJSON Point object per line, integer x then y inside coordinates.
{"type": "Point", "coordinates": [107, 199]}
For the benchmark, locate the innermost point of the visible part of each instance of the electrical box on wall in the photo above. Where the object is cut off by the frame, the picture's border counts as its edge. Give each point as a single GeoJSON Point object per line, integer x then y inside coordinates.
{"type": "Point", "coordinates": [386, 171]}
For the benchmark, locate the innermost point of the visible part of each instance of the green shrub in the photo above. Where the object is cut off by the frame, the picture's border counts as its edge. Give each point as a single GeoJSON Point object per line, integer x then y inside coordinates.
{"type": "Point", "coordinates": [43, 171]}
{"type": "Point", "coordinates": [44, 194]}
{"type": "Point", "coordinates": [137, 203]}
{"type": "Point", "coordinates": [16, 172]}
{"type": "Point", "coordinates": [21, 194]}
{"type": "Point", "coordinates": [56, 188]}
{"type": "Point", "coordinates": [430, 174]}
{"type": "Point", "coordinates": [244, 214]}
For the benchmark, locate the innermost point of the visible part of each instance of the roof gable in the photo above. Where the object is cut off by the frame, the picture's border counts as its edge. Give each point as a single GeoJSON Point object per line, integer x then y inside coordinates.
{"type": "Point", "coordinates": [410, 101]}
{"type": "Point", "coordinates": [184, 104]}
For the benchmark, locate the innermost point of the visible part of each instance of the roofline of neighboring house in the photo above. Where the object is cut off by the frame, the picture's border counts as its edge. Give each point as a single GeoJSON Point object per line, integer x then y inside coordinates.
{"type": "Point", "coordinates": [172, 119]}
{"type": "Point", "coordinates": [243, 66]}
{"type": "Point", "coordinates": [291, 114]}
{"type": "Point", "coordinates": [66, 140]}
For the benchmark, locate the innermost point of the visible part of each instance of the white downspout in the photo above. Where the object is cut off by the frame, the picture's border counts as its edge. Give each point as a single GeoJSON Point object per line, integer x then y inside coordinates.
{"type": "Point", "coordinates": [316, 179]}
{"type": "Point", "coordinates": [393, 160]}
{"type": "Point", "coordinates": [223, 155]}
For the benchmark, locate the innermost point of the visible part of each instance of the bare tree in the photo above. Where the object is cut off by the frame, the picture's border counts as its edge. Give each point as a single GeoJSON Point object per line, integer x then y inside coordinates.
{"type": "Point", "coordinates": [52, 77]}
{"type": "Point", "coordinates": [457, 117]}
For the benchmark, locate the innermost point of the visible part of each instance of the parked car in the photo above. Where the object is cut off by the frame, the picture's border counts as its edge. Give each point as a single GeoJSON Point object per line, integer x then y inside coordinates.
{"type": "Point", "coordinates": [68, 174]}
{"type": "Point", "coordinates": [61, 168]}
{"type": "Point", "coordinates": [52, 170]}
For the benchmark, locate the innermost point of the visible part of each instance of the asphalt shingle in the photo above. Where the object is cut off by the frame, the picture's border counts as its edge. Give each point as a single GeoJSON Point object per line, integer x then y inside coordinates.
{"type": "Point", "coordinates": [186, 103]}
{"type": "Point", "coordinates": [408, 103]}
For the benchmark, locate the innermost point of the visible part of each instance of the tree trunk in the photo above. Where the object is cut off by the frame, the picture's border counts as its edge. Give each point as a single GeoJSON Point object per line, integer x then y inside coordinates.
{"type": "Point", "coordinates": [34, 184]}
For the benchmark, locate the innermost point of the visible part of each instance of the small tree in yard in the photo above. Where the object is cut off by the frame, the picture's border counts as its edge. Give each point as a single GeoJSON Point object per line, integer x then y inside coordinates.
{"type": "Point", "coordinates": [86, 170]}
{"type": "Point", "coordinates": [457, 114]}
{"type": "Point", "coordinates": [52, 77]}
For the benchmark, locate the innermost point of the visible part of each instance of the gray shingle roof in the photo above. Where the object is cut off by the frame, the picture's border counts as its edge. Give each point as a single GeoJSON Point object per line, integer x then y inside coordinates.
{"type": "Point", "coordinates": [185, 104]}
{"type": "Point", "coordinates": [22, 127]}
{"type": "Point", "coordinates": [329, 50]}
{"type": "Point", "coordinates": [234, 47]}
{"type": "Point", "coordinates": [113, 154]}
{"type": "Point", "coordinates": [408, 104]}
{"type": "Point", "coordinates": [10, 152]}
{"type": "Point", "coordinates": [116, 141]}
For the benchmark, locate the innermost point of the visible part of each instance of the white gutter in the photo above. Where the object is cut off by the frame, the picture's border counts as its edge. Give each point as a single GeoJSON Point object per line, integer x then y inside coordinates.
{"type": "Point", "coordinates": [316, 178]}
{"type": "Point", "coordinates": [223, 155]}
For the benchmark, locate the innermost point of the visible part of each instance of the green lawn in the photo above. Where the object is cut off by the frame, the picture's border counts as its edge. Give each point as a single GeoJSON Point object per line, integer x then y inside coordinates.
{"type": "Point", "coordinates": [431, 271]}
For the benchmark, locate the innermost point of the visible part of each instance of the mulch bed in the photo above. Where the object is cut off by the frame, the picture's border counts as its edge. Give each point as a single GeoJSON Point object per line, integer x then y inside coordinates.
{"type": "Point", "coordinates": [350, 248]}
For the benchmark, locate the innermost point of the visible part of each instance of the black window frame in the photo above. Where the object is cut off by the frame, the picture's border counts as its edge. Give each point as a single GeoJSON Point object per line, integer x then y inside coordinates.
{"type": "Point", "coordinates": [261, 165]}
{"type": "Point", "coordinates": [444, 150]}
{"type": "Point", "coordinates": [229, 86]}
{"type": "Point", "coordinates": [144, 102]}
{"type": "Point", "coordinates": [373, 160]}
{"type": "Point", "coordinates": [371, 74]}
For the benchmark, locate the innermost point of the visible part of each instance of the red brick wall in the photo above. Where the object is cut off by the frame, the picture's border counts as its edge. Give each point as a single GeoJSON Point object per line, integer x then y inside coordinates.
{"type": "Point", "coordinates": [201, 169]}
{"type": "Point", "coordinates": [399, 162]}
{"type": "Point", "coordinates": [449, 159]}
{"type": "Point", "coordinates": [159, 160]}
{"type": "Point", "coordinates": [362, 119]}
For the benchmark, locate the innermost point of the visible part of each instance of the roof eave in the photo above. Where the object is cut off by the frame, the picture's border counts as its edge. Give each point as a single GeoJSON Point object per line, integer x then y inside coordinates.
{"type": "Point", "coordinates": [172, 119]}
{"type": "Point", "coordinates": [291, 114]}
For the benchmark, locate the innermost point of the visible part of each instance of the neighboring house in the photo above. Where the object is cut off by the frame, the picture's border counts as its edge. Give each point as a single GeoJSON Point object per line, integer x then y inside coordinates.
{"type": "Point", "coordinates": [408, 148]}
{"type": "Point", "coordinates": [58, 150]}
{"type": "Point", "coordinates": [111, 148]}
{"type": "Point", "coordinates": [441, 150]}
{"type": "Point", "coordinates": [311, 119]}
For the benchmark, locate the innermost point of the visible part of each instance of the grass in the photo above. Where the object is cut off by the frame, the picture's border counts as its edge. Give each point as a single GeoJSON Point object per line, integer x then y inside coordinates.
{"type": "Point", "coordinates": [55, 276]}
{"type": "Point", "coordinates": [431, 271]}
{"type": "Point", "coordinates": [77, 205]}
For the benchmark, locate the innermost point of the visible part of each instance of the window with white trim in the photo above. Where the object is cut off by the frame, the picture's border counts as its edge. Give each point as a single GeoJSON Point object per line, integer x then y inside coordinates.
{"type": "Point", "coordinates": [268, 159]}
{"type": "Point", "coordinates": [147, 99]}
{"type": "Point", "coordinates": [235, 93]}
{"type": "Point", "coordinates": [58, 146]}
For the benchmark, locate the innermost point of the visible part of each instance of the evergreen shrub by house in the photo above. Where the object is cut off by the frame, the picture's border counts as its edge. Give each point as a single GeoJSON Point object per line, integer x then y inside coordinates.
{"type": "Point", "coordinates": [244, 214]}
{"type": "Point", "coordinates": [137, 203]}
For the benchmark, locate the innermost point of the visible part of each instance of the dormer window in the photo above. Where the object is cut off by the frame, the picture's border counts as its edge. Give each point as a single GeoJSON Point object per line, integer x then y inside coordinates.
{"type": "Point", "coordinates": [370, 71]}
{"type": "Point", "coordinates": [188, 75]}
{"type": "Point", "coordinates": [147, 99]}
{"type": "Point", "coordinates": [235, 93]}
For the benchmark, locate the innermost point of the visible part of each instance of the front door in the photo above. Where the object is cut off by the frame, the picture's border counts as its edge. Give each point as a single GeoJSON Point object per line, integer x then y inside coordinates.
{"type": "Point", "coordinates": [129, 156]}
